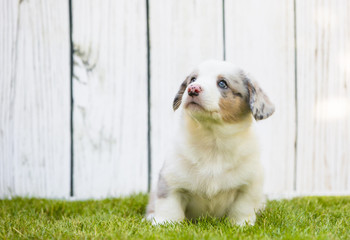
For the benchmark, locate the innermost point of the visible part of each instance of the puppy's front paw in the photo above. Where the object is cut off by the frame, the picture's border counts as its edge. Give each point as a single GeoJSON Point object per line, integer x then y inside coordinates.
{"type": "Point", "coordinates": [244, 223]}
{"type": "Point", "coordinates": [149, 217]}
{"type": "Point", "coordinates": [247, 221]}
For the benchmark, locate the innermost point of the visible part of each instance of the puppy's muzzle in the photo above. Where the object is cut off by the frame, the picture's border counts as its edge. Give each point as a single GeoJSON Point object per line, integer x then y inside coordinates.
{"type": "Point", "coordinates": [194, 90]}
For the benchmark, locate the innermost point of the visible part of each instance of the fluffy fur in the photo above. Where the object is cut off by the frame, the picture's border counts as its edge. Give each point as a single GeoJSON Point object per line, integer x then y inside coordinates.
{"type": "Point", "coordinates": [214, 168]}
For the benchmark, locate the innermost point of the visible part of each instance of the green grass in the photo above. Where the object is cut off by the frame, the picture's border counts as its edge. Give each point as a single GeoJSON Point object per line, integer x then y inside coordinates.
{"type": "Point", "coordinates": [300, 218]}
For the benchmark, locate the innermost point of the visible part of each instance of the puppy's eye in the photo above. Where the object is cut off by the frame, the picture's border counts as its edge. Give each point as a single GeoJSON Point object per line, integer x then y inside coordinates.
{"type": "Point", "coordinates": [222, 84]}
{"type": "Point", "coordinates": [193, 79]}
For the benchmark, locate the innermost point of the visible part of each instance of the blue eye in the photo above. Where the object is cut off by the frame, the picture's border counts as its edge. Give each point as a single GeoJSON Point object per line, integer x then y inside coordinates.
{"type": "Point", "coordinates": [222, 84]}
{"type": "Point", "coordinates": [193, 79]}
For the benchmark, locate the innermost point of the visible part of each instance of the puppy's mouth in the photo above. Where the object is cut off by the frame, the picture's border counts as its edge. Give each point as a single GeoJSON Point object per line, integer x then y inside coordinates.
{"type": "Point", "coordinates": [192, 105]}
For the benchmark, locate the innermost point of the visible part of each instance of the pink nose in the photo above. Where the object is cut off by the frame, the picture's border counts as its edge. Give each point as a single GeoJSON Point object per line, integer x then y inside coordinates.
{"type": "Point", "coordinates": [194, 90]}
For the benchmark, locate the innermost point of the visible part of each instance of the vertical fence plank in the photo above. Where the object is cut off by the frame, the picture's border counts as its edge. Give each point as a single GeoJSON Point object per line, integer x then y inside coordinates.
{"type": "Point", "coordinates": [110, 97]}
{"type": "Point", "coordinates": [260, 39]}
{"type": "Point", "coordinates": [323, 40]}
{"type": "Point", "coordinates": [34, 99]}
{"type": "Point", "coordinates": [182, 33]}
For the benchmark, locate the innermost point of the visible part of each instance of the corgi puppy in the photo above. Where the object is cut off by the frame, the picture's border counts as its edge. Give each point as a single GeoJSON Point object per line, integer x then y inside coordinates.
{"type": "Point", "coordinates": [214, 167]}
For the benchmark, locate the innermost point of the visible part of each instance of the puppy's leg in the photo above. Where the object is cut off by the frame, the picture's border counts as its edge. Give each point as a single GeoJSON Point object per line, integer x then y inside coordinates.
{"type": "Point", "coordinates": [169, 209]}
{"type": "Point", "coordinates": [150, 207]}
{"type": "Point", "coordinates": [247, 203]}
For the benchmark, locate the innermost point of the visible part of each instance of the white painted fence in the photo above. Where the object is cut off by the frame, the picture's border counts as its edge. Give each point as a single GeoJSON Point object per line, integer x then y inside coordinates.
{"type": "Point", "coordinates": [86, 89]}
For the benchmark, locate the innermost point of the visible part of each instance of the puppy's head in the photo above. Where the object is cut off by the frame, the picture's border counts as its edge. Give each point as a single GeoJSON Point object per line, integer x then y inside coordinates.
{"type": "Point", "coordinates": [219, 90]}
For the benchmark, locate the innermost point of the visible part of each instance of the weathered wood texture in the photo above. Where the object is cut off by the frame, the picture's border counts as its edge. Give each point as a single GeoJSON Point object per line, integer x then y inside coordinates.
{"type": "Point", "coordinates": [260, 39]}
{"type": "Point", "coordinates": [110, 97]}
{"type": "Point", "coordinates": [323, 56]}
{"type": "Point", "coordinates": [182, 33]}
{"type": "Point", "coordinates": [34, 99]}
{"type": "Point", "coordinates": [304, 150]}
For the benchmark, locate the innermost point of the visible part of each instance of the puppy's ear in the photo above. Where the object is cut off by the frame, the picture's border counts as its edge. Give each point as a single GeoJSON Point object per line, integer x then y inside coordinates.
{"type": "Point", "coordinates": [259, 102]}
{"type": "Point", "coordinates": [178, 96]}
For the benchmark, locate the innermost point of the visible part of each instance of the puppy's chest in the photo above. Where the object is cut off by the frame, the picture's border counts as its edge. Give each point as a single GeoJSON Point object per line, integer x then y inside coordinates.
{"type": "Point", "coordinates": [210, 168]}
{"type": "Point", "coordinates": [211, 178]}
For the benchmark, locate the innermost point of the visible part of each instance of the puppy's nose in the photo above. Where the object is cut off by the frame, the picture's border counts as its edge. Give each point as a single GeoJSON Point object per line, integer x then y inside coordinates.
{"type": "Point", "coordinates": [194, 90]}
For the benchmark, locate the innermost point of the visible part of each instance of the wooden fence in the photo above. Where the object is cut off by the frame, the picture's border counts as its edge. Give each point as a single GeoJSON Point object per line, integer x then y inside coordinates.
{"type": "Point", "coordinates": [86, 89]}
